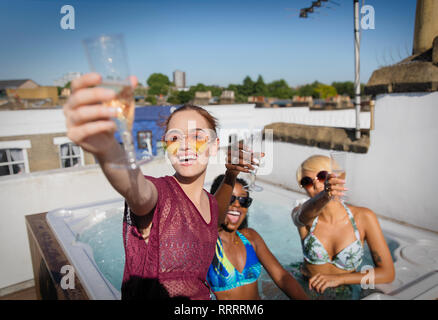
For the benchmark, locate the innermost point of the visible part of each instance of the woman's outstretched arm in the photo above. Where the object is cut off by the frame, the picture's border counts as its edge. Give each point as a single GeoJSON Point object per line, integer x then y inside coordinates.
{"type": "Point", "coordinates": [90, 126]}
{"type": "Point", "coordinates": [310, 209]}
{"type": "Point", "coordinates": [225, 190]}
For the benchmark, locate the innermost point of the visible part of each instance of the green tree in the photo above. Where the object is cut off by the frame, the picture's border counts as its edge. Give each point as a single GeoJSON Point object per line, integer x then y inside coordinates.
{"type": "Point", "coordinates": [344, 88]}
{"type": "Point", "coordinates": [173, 97]}
{"type": "Point", "coordinates": [234, 87]}
{"type": "Point", "coordinates": [260, 88]}
{"type": "Point", "coordinates": [158, 79]}
{"type": "Point", "coordinates": [238, 96]}
{"type": "Point", "coordinates": [325, 91]}
{"type": "Point", "coordinates": [157, 90]}
{"type": "Point", "coordinates": [152, 99]}
{"type": "Point", "coordinates": [247, 88]}
{"type": "Point", "coordinates": [215, 91]}
{"type": "Point", "coordinates": [158, 83]}
{"type": "Point", "coordinates": [180, 97]}
{"type": "Point", "coordinates": [184, 97]}
{"type": "Point", "coordinates": [199, 87]}
{"type": "Point", "coordinates": [140, 91]}
{"type": "Point", "coordinates": [309, 90]}
{"type": "Point", "coordinates": [347, 88]}
{"type": "Point", "coordinates": [280, 89]}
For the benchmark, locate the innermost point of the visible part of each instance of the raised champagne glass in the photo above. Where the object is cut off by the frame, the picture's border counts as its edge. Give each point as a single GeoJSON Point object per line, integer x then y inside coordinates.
{"type": "Point", "coordinates": [338, 161]}
{"type": "Point", "coordinates": [253, 141]}
{"type": "Point", "coordinates": [107, 56]}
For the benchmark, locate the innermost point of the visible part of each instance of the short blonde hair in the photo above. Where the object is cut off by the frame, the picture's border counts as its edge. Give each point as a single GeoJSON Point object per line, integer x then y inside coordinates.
{"type": "Point", "coordinates": [313, 163]}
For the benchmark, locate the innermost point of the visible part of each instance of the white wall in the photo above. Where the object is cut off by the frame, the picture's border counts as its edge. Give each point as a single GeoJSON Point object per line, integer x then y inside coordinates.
{"type": "Point", "coordinates": [27, 122]}
{"type": "Point", "coordinates": [397, 178]}
{"type": "Point", "coordinates": [246, 115]}
{"type": "Point", "coordinates": [233, 118]}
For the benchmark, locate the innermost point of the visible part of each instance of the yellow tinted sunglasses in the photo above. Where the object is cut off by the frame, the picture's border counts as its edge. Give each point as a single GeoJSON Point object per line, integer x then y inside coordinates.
{"type": "Point", "coordinates": [197, 140]}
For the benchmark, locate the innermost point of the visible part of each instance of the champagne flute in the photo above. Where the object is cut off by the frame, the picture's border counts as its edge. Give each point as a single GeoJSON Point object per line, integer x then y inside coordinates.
{"type": "Point", "coordinates": [338, 162]}
{"type": "Point", "coordinates": [107, 56]}
{"type": "Point", "coordinates": [253, 141]}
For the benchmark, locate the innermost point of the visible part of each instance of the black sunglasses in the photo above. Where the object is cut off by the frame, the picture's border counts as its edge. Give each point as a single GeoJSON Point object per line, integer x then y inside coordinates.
{"type": "Point", "coordinates": [307, 181]}
{"type": "Point", "coordinates": [244, 202]}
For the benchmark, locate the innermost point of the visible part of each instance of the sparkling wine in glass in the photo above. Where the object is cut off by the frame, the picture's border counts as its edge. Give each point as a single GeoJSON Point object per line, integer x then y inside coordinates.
{"type": "Point", "coordinates": [253, 142]}
{"type": "Point", "coordinates": [338, 161]}
{"type": "Point", "coordinates": [107, 56]}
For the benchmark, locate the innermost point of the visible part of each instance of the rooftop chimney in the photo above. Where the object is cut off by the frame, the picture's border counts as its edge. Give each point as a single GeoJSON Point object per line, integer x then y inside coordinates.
{"type": "Point", "coordinates": [426, 25]}
{"type": "Point", "coordinates": [419, 72]}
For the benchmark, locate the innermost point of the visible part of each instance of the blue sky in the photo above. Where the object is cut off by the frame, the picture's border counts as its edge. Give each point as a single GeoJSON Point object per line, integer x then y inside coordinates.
{"type": "Point", "coordinates": [214, 42]}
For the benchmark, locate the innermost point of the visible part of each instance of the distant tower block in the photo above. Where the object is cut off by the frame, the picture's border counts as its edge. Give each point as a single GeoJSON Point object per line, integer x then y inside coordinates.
{"type": "Point", "coordinates": [426, 25]}
{"type": "Point", "coordinates": [179, 79]}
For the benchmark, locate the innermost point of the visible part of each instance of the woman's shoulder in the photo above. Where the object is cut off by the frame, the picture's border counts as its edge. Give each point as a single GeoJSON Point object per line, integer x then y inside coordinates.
{"type": "Point", "coordinates": [250, 234]}
{"type": "Point", "coordinates": [363, 215]}
{"type": "Point", "coordinates": [159, 181]}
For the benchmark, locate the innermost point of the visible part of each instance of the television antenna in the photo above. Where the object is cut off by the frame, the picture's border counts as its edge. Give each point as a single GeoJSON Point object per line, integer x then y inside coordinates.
{"type": "Point", "coordinates": [304, 13]}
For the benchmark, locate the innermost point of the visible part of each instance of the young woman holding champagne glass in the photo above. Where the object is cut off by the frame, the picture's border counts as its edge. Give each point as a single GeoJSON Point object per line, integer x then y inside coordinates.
{"type": "Point", "coordinates": [333, 233]}
{"type": "Point", "coordinates": [170, 223]}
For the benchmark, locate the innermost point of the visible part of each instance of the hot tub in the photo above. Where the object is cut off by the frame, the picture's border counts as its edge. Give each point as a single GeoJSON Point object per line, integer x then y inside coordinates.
{"type": "Point", "coordinates": [91, 237]}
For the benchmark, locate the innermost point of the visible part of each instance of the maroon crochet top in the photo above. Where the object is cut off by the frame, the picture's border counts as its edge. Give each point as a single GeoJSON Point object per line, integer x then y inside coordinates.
{"type": "Point", "coordinates": [180, 248]}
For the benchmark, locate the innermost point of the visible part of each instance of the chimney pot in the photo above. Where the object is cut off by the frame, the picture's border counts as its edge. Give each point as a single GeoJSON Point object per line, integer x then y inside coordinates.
{"type": "Point", "coordinates": [426, 25]}
{"type": "Point", "coordinates": [435, 51]}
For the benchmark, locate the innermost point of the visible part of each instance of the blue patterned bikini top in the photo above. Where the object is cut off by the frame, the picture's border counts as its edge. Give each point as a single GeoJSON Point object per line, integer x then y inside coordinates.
{"type": "Point", "coordinates": [348, 259]}
{"type": "Point", "coordinates": [222, 275]}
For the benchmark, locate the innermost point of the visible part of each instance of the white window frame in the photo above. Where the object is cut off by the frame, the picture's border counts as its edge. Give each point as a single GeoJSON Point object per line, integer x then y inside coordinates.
{"type": "Point", "coordinates": [63, 140]}
{"type": "Point", "coordinates": [161, 151]}
{"type": "Point", "coordinates": [18, 144]}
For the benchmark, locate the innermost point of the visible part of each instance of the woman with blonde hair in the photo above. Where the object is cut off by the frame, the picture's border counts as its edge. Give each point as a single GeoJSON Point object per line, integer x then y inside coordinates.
{"type": "Point", "coordinates": [333, 233]}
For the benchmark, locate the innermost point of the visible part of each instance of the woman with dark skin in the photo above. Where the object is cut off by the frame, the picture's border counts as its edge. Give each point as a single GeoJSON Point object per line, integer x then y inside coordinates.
{"type": "Point", "coordinates": [333, 232]}
{"type": "Point", "coordinates": [237, 244]}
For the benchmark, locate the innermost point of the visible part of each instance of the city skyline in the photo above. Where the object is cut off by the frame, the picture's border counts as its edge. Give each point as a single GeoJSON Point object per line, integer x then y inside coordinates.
{"type": "Point", "coordinates": [215, 43]}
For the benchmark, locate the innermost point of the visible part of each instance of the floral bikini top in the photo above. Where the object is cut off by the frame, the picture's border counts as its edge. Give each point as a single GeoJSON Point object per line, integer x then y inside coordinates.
{"type": "Point", "coordinates": [348, 259]}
